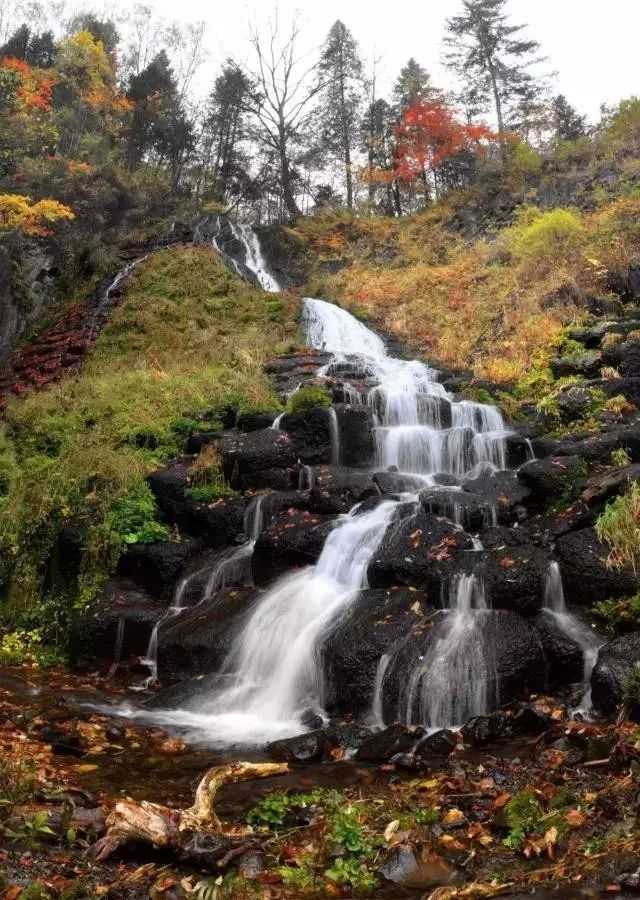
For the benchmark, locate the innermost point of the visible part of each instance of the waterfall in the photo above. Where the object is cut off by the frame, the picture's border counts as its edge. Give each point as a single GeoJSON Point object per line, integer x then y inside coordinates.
{"type": "Point", "coordinates": [306, 478]}
{"type": "Point", "coordinates": [273, 673]}
{"type": "Point", "coordinates": [254, 261]}
{"type": "Point", "coordinates": [335, 436]}
{"type": "Point", "coordinates": [232, 567]}
{"type": "Point", "coordinates": [556, 607]}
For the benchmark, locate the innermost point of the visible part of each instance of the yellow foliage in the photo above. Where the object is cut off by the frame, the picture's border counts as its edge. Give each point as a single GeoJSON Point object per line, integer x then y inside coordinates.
{"type": "Point", "coordinates": [20, 214]}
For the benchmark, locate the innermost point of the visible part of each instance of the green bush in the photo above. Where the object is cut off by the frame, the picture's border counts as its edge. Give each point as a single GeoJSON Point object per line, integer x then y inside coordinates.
{"type": "Point", "coordinates": [546, 239]}
{"type": "Point", "coordinates": [132, 519]}
{"type": "Point", "coordinates": [619, 527]}
{"type": "Point", "coordinates": [310, 397]}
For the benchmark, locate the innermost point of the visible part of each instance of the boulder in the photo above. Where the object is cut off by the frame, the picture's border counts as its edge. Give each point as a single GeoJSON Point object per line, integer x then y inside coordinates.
{"type": "Point", "coordinates": [355, 431]}
{"type": "Point", "coordinates": [244, 455]}
{"type": "Point", "coordinates": [593, 448]}
{"type": "Point", "coordinates": [419, 550]}
{"type": "Point", "coordinates": [157, 566]}
{"type": "Point", "coordinates": [502, 491]}
{"type": "Point", "coordinates": [462, 507]}
{"type": "Point", "coordinates": [374, 622]}
{"type": "Point", "coordinates": [605, 485]}
{"type": "Point", "coordinates": [416, 870]}
{"type": "Point", "coordinates": [513, 661]}
{"type": "Point", "coordinates": [483, 730]}
{"type": "Point", "coordinates": [310, 434]}
{"type": "Point", "coordinates": [514, 577]}
{"type": "Point", "coordinates": [440, 743]}
{"type": "Point", "coordinates": [625, 357]}
{"type": "Point", "coordinates": [617, 661]}
{"type": "Point", "coordinates": [587, 364]}
{"type": "Point", "coordinates": [518, 450]}
{"type": "Point", "coordinates": [122, 609]}
{"type": "Point", "coordinates": [321, 744]}
{"type": "Point", "coordinates": [255, 421]}
{"type": "Point", "coordinates": [294, 538]}
{"type": "Point", "coordinates": [337, 489]}
{"type": "Point", "coordinates": [392, 482]}
{"type": "Point", "coordinates": [564, 662]}
{"type": "Point", "coordinates": [586, 577]}
{"type": "Point", "coordinates": [552, 477]}
{"type": "Point", "coordinates": [382, 745]}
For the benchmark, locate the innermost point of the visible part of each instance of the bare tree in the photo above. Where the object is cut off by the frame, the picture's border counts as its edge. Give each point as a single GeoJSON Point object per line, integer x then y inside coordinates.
{"type": "Point", "coordinates": [281, 108]}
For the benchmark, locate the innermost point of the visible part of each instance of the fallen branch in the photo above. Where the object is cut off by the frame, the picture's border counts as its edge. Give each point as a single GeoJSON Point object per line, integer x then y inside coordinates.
{"type": "Point", "coordinates": [194, 834]}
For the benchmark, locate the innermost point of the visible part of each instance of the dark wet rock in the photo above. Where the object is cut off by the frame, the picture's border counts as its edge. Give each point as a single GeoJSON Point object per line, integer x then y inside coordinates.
{"type": "Point", "coordinates": [515, 577]}
{"type": "Point", "coordinates": [553, 476]}
{"type": "Point", "coordinates": [563, 657]}
{"type": "Point", "coordinates": [594, 448]}
{"type": "Point", "coordinates": [337, 489]}
{"type": "Point", "coordinates": [604, 485]}
{"type": "Point", "coordinates": [416, 870]}
{"type": "Point", "coordinates": [244, 455]}
{"type": "Point", "coordinates": [585, 574]}
{"type": "Point", "coordinates": [513, 660]}
{"type": "Point", "coordinates": [63, 743]}
{"type": "Point", "coordinates": [617, 662]}
{"type": "Point", "coordinates": [294, 538]}
{"type": "Point", "coordinates": [94, 631]}
{"type": "Point", "coordinates": [420, 550]}
{"type": "Point", "coordinates": [382, 745]}
{"type": "Point", "coordinates": [355, 429]}
{"type": "Point", "coordinates": [198, 440]}
{"type": "Point", "coordinates": [587, 364]}
{"type": "Point", "coordinates": [575, 402]}
{"type": "Point", "coordinates": [518, 450]}
{"type": "Point", "coordinates": [613, 387]}
{"type": "Point", "coordinates": [216, 524]}
{"type": "Point", "coordinates": [197, 640]}
{"type": "Point", "coordinates": [255, 421]}
{"type": "Point", "coordinates": [462, 507]}
{"type": "Point", "coordinates": [322, 744]}
{"type": "Point", "coordinates": [502, 490]}
{"type": "Point", "coordinates": [390, 482]}
{"type": "Point", "coordinates": [290, 371]}
{"type": "Point", "coordinates": [625, 357]}
{"type": "Point", "coordinates": [529, 720]}
{"type": "Point", "coordinates": [374, 622]}
{"type": "Point", "coordinates": [310, 435]}
{"type": "Point", "coordinates": [438, 744]}
{"type": "Point", "coordinates": [483, 730]}
{"type": "Point", "coordinates": [156, 566]}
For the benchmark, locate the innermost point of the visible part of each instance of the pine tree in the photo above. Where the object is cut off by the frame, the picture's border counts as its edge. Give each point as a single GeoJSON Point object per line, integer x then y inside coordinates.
{"type": "Point", "coordinates": [223, 131]}
{"type": "Point", "coordinates": [568, 124]}
{"type": "Point", "coordinates": [18, 44]}
{"type": "Point", "coordinates": [491, 58]}
{"type": "Point", "coordinates": [340, 74]}
{"type": "Point", "coordinates": [413, 85]}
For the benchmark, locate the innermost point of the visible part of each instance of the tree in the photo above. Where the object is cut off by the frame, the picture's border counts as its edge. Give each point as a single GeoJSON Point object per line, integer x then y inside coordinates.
{"type": "Point", "coordinates": [18, 213]}
{"type": "Point", "coordinates": [568, 124]}
{"type": "Point", "coordinates": [103, 30]}
{"type": "Point", "coordinates": [429, 136]}
{"type": "Point", "coordinates": [377, 131]}
{"type": "Point", "coordinates": [224, 129]}
{"type": "Point", "coordinates": [340, 93]}
{"type": "Point", "coordinates": [281, 107]}
{"type": "Point", "coordinates": [413, 85]}
{"type": "Point", "coordinates": [18, 44]}
{"type": "Point", "coordinates": [491, 58]}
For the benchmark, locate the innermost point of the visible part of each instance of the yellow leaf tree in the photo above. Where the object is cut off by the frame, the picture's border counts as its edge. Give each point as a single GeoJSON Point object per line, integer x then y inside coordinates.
{"type": "Point", "coordinates": [18, 213]}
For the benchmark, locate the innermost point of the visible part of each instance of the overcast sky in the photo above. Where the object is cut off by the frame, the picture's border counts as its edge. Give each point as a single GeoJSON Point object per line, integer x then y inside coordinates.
{"type": "Point", "coordinates": [591, 44]}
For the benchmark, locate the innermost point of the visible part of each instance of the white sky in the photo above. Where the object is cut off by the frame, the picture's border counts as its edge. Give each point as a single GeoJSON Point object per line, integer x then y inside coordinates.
{"type": "Point", "coordinates": [593, 46]}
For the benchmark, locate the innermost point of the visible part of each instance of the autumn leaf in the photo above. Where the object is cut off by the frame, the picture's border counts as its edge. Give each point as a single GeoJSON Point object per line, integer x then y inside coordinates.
{"type": "Point", "coordinates": [576, 818]}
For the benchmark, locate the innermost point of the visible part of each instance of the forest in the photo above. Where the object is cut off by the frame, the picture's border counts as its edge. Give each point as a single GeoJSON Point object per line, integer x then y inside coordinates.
{"type": "Point", "coordinates": [319, 463]}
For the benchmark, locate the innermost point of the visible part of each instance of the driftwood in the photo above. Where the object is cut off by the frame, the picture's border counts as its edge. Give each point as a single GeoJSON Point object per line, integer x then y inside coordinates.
{"type": "Point", "coordinates": [194, 834]}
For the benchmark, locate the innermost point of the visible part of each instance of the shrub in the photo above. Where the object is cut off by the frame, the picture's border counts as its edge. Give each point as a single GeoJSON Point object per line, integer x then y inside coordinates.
{"type": "Point", "coordinates": [620, 458]}
{"type": "Point", "coordinates": [619, 527]}
{"type": "Point", "coordinates": [619, 405]}
{"type": "Point", "coordinates": [547, 240]}
{"type": "Point", "coordinates": [619, 615]}
{"type": "Point", "coordinates": [133, 518]}
{"type": "Point", "coordinates": [310, 397]}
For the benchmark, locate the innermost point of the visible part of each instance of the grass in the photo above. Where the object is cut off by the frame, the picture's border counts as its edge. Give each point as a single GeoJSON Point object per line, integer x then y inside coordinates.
{"type": "Point", "coordinates": [619, 527]}
{"type": "Point", "coordinates": [187, 343]}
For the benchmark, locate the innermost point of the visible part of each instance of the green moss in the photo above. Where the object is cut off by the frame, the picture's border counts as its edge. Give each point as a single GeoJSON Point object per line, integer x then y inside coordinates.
{"type": "Point", "coordinates": [309, 397]}
{"type": "Point", "coordinates": [187, 344]}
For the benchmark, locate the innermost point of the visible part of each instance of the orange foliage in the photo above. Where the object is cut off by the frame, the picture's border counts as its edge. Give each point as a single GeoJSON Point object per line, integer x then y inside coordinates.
{"type": "Point", "coordinates": [429, 134]}
{"type": "Point", "coordinates": [35, 86]}
{"type": "Point", "coordinates": [18, 213]}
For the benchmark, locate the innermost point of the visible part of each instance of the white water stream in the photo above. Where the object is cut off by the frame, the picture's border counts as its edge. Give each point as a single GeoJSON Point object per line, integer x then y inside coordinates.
{"type": "Point", "coordinates": [588, 642]}
{"type": "Point", "coordinates": [273, 674]}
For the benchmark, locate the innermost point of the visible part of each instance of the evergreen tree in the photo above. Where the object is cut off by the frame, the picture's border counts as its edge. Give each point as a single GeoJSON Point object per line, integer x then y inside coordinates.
{"type": "Point", "coordinates": [413, 85]}
{"type": "Point", "coordinates": [224, 128]}
{"type": "Point", "coordinates": [340, 74]}
{"type": "Point", "coordinates": [103, 30]}
{"type": "Point", "coordinates": [18, 44]}
{"type": "Point", "coordinates": [42, 50]}
{"type": "Point", "coordinates": [491, 58]}
{"type": "Point", "coordinates": [568, 124]}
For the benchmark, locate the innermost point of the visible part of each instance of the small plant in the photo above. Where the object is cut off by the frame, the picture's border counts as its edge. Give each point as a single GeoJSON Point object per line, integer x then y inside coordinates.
{"type": "Point", "coordinates": [608, 372]}
{"type": "Point", "coordinates": [133, 518]}
{"type": "Point", "coordinates": [612, 338]}
{"type": "Point", "coordinates": [310, 397]}
{"type": "Point", "coordinates": [206, 478]}
{"type": "Point", "coordinates": [348, 833]}
{"type": "Point", "coordinates": [272, 810]}
{"type": "Point", "coordinates": [301, 877]}
{"type": "Point", "coordinates": [631, 687]}
{"type": "Point", "coordinates": [427, 817]}
{"type": "Point", "coordinates": [619, 615]}
{"type": "Point", "coordinates": [620, 458]}
{"type": "Point", "coordinates": [32, 831]}
{"type": "Point", "coordinates": [619, 527]}
{"type": "Point", "coordinates": [352, 872]}
{"type": "Point", "coordinates": [619, 405]}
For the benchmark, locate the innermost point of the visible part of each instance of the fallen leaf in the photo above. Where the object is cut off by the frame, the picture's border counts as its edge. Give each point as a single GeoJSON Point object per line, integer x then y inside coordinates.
{"type": "Point", "coordinates": [576, 818]}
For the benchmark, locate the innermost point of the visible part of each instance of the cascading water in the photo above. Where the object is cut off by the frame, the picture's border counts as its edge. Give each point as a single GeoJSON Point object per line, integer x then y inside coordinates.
{"type": "Point", "coordinates": [273, 674]}
{"type": "Point", "coordinates": [253, 261]}
{"type": "Point", "coordinates": [233, 567]}
{"type": "Point", "coordinates": [556, 607]}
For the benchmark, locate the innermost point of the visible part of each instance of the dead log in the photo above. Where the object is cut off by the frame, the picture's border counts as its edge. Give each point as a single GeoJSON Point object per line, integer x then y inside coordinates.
{"type": "Point", "coordinates": [194, 834]}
